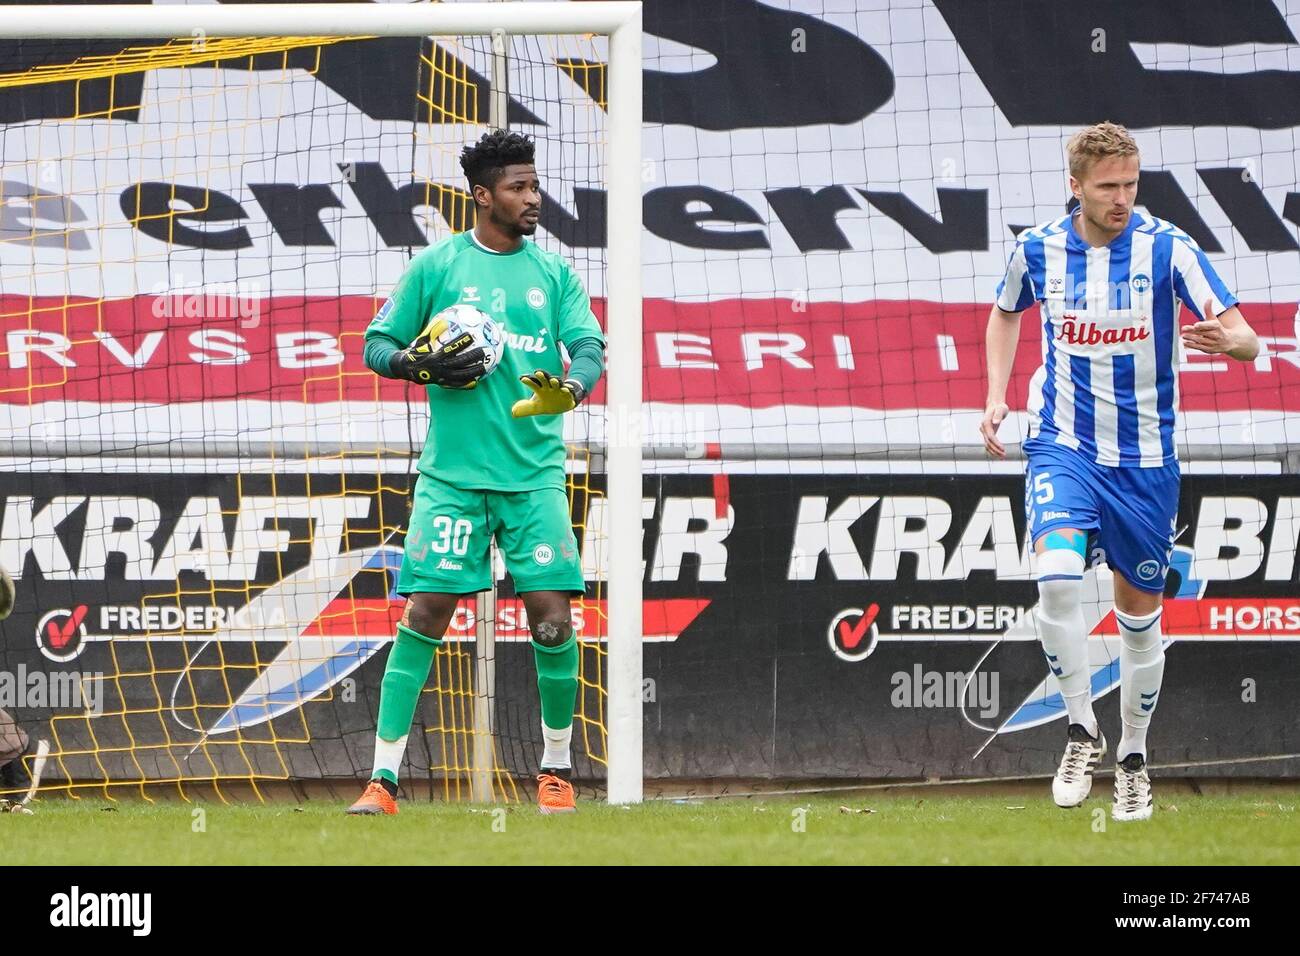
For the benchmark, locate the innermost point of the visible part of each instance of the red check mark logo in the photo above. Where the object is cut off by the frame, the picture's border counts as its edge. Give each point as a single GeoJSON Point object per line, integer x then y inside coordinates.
{"type": "Point", "coordinates": [60, 636]}
{"type": "Point", "coordinates": [851, 637]}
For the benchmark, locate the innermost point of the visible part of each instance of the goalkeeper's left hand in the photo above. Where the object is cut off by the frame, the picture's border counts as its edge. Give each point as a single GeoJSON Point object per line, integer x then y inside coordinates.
{"type": "Point", "coordinates": [550, 395]}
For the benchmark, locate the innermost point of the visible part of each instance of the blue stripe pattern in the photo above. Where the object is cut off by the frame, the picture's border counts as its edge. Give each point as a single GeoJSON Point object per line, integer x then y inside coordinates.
{"type": "Point", "coordinates": [1128, 626]}
{"type": "Point", "coordinates": [1085, 405]}
{"type": "Point", "coordinates": [1119, 295]}
{"type": "Point", "coordinates": [1036, 260]}
{"type": "Point", "coordinates": [1162, 327]}
{"type": "Point", "coordinates": [1165, 286]}
{"type": "Point", "coordinates": [1076, 297]}
{"type": "Point", "coordinates": [1126, 426]}
{"type": "Point", "coordinates": [1220, 290]}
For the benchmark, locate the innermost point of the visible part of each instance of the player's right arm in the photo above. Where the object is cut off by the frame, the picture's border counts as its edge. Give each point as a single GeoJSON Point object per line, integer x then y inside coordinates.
{"type": "Point", "coordinates": [392, 349]}
{"type": "Point", "coordinates": [1015, 294]}
{"type": "Point", "coordinates": [1000, 340]}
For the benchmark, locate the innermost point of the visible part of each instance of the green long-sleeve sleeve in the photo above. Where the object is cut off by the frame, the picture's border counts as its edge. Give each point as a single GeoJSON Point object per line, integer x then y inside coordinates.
{"type": "Point", "coordinates": [586, 362]}
{"type": "Point", "coordinates": [379, 353]}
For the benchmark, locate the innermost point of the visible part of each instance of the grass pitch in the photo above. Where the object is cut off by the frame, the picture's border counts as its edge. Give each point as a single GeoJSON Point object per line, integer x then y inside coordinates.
{"type": "Point", "coordinates": [908, 827]}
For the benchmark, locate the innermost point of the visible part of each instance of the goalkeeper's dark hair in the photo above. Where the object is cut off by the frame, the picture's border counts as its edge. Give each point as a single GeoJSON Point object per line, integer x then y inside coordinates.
{"type": "Point", "coordinates": [485, 162]}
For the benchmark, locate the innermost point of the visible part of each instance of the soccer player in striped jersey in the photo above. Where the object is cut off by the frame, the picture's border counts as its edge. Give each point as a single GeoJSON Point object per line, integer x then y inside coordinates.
{"type": "Point", "coordinates": [1102, 469]}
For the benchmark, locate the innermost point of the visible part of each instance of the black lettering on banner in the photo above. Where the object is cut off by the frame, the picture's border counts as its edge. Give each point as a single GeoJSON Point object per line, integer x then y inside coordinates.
{"type": "Point", "coordinates": [839, 79]}
{"type": "Point", "coordinates": [148, 207]}
{"type": "Point", "coordinates": [115, 97]}
{"type": "Point", "coordinates": [391, 209]}
{"type": "Point", "coordinates": [1160, 193]}
{"type": "Point", "coordinates": [355, 70]}
{"type": "Point", "coordinates": [24, 211]}
{"type": "Point", "coordinates": [965, 222]}
{"type": "Point", "coordinates": [294, 211]}
{"type": "Point", "coordinates": [1242, 199]}
{"type": "Point", "coordinates": [809, 216]}
{"type": "Point", "coordinates": [759, 81]}
{"type": "Point", "coordinates": [583, 230]}
{"type": "Point", "coordinates": [350, 70]}
{"type": "Point", "coordinates": [1035, 58]}
{"type": "Point", "coordinates": [666, 215]}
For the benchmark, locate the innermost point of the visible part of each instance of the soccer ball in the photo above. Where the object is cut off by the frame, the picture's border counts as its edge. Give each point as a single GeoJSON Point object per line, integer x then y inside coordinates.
{"type": "Point", "coordinates": [460, 320]}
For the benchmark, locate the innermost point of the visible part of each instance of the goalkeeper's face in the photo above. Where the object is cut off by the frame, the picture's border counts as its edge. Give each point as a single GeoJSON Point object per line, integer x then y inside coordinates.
{"type": "Point", "coordinates": [516, 200]}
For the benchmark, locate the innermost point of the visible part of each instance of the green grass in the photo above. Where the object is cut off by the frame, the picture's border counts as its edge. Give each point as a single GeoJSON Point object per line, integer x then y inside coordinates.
{"type": "Point", "coordinates": [907, 827]}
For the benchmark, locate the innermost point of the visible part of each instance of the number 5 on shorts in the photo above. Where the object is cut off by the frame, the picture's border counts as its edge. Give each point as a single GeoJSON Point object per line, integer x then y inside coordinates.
{"type": "Point", "coordinates": [1043, 487]}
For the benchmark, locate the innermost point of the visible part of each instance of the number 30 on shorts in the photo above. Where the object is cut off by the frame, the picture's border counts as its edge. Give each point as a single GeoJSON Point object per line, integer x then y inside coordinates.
{"type": "Point", "coordinates": [451, 537]}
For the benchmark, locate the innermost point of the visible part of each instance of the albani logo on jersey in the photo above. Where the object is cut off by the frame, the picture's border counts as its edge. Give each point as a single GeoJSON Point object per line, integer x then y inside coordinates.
{"type": "Point", "coordinates": [527, 343]}
{"type": "Point", "coordinates": [1089, 333]}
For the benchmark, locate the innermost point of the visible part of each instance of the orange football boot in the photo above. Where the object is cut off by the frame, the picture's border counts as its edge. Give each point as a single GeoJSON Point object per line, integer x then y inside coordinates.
{"type": "Point", "coordinates": [374, 799]}
{"type": "Point", "coordinates": [554, 794]}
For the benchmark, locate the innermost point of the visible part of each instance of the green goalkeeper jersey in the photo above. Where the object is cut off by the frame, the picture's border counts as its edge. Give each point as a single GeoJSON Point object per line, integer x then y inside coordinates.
{"type": "Point", "coordinates": [473, 440]}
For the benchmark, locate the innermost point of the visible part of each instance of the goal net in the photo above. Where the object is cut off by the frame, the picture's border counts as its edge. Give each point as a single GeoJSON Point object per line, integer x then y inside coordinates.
{"type": "Point", "coordinates": [208, 488]}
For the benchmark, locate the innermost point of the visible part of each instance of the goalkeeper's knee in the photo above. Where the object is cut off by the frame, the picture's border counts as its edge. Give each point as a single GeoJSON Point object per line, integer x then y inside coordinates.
{"type": "Point", "coordinates": [551, 634]}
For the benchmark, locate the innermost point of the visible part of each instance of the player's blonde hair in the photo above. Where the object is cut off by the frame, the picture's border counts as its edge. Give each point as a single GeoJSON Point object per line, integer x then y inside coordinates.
{"type": "Point", "coordinates": [1095, 142]}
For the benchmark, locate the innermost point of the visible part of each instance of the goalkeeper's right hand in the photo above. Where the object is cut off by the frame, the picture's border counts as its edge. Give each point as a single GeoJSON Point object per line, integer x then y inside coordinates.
{"type": "Point", "coordinates": [452, 366]}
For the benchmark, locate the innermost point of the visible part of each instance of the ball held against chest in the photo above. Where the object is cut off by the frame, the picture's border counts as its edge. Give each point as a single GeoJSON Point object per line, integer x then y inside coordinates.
{"type": "Point", "coordinates": [464, 327]}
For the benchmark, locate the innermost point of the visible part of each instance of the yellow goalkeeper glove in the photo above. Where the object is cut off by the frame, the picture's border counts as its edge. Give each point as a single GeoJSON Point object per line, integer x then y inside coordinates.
{"type": "Point", "coordinates": [550, 395]}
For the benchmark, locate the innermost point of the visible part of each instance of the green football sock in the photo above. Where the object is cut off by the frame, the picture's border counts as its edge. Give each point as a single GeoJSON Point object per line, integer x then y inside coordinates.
{"type": "Point", "coordinates": [404, 678]}
{"type": "Point", "coordinates": [557, 681]}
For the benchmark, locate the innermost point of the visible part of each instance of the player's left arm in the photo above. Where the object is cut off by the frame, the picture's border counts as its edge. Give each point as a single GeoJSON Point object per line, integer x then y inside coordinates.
{"type": "Point", "coordinates": [585, 343]}
{"type": "Point", "coordinates": [1220, 328]}
{"type": "Point", "coordinates": [1228, 334]}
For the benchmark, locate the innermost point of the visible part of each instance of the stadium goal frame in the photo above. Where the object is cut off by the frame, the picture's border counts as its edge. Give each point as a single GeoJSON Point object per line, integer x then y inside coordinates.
{"type": "Point", "coordinates": [620, 21]}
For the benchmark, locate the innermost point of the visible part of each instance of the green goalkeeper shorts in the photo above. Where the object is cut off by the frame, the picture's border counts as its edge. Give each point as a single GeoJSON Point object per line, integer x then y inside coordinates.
{"type": "Point", "coordinates": [447, 542]}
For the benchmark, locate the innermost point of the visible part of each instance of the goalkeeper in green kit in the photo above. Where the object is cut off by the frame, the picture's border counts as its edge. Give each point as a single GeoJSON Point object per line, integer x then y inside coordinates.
{"type": "Point", "coordinates": [493, 462]}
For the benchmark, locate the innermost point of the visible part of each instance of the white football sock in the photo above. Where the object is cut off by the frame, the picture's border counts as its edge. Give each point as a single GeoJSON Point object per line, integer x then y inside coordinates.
{"type": "Point", "coordinates": [555, 756]}
{"type": "Point", "coordinates": [1141, 670]}
{"type": "Point", "coordinates": [388, 755]}
{"type": "Point", "coordinates": [1061, 628]}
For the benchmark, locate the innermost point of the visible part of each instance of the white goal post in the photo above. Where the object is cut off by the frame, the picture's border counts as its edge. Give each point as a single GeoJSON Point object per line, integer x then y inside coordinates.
{"type": "Point", "coordinates": [620, 21]}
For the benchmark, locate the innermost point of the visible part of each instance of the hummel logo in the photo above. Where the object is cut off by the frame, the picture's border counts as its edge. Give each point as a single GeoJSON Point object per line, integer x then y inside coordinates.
{"type": "Point", "coordinates": [1051, 664]}
{"type": "Point", "coordinates": [470, 293]}
{"type": "Point", "coordinates": [445, 565]}
{"type": "Point", "coordinates": [1147, 706]}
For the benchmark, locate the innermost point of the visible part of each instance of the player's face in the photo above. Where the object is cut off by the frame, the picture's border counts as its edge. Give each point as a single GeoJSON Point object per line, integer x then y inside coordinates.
{"type": "Point", "coordinates": [517, 200]}
{"type": "Point", "coordinates": [1108, 192]}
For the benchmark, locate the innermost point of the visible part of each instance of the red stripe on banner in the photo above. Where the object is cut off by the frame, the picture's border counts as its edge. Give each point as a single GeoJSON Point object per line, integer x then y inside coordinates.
{"type": "Point", "coordinates": [756, 353]}
{"type": "Point", "coordinates": [662, 619]}
{"type": "Point", "coordinates": [721, 494]}
{"type": "Point", "coordinates": [1244, 618]}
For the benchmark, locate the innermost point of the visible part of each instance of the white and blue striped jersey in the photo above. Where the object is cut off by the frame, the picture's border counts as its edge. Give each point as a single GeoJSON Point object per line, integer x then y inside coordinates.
{"type": "Point", "coordinates": [1108, 385]}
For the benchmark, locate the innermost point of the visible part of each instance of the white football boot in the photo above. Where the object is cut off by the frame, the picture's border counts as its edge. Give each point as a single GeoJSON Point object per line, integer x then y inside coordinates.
{"type": "Point", "coordinates": [1073, 780]}
{"type": "Point", "coordinates": [1132, 790]}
